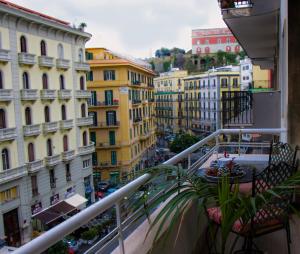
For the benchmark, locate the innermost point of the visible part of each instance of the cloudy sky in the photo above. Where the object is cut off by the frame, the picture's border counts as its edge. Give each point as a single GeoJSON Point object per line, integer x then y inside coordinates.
{"type": "Point", "coordinates": [134, 27]}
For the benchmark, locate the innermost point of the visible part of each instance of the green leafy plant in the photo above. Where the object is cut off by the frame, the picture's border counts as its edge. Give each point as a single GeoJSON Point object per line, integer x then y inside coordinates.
{"type": "Point", "coordinates": [58, 248]}
{"type": "Point", "coordinates": [89, 234]}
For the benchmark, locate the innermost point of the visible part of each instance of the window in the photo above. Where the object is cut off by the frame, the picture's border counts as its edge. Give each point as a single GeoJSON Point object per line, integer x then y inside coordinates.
{"type": "Point", "coordinates": [49, 147]}
{"type": "Point", "coordinates": [31, 155]}
{"type": "Point", "coordinates": [224, 82]}
{"type": "Point", "coordinates": [65, 143]}
{"type": "Point", "coordinates": [62, 82]}
{"type": "Point", "coordinates": [113, 158]}
{"type": "Point", "coordinates": [43, 48]}
{"type": "Point", "coordinates": [34, 186]}
{"type": "Point", "coordinates": [45, 81]}
{"type": "Point", "coordinates": [93, 137]}
{"type": "Point", "coordinates": [68, 173]}
{"type": "Point", "coordinates": [83, 110]}
{"type": "Point", "coordinates": [60, 51]}
{"type": "Point", "coordinates": [2, 119]}
{"type": "Point", "coordinates": [47, 114]}
{"type": "Point", "coordinates": [90, 76]}
{"type": "Point", "coordinates": [1, 80]}
{"type": "Point", "coordinates": [89, 56]}
{"type": "Point", "coordinates": [28, 120]}
{"type": "Point", "coordinates": [235, 82]}
{"type": "Point", "coordinates": [80, 55]}
{"type": "Point", "coordinates": [82, 83]}
{"type": "Point", "coordinates": [112, 138]}
{"type": "Point", "coordinates": [109, 75]}
{"type": "Point", "coordinates": [25, 78]}
{"type": "Point", "coordinates": [5, 159]}
{"type": "Point", "coordinates": [84, 139]}
{"type": "Point", "coordinates": [52, 178]}
{"type": "Point", "coordinates": [23, 44]}
{"type": "Point", "coordinates": [111, 118]}
{"type": "Point", "coordinates": [86, 163]}
{"type": "Point", "coordinates": [8, 195]}
{"type": "Point", "coordinates": [63, 112]}
{"type": "Point", "coordinates": [108, 97]}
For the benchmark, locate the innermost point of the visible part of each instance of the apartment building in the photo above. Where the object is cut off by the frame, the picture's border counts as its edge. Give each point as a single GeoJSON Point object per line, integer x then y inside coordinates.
{"type": "Point", "coordinates": [202, 98]}
{"type": "Point", "coordinates": [46, 156]}
{"type": "Point", "coordinates": [169, 93]}
{"type": "Point", "coordinates": [122, 108]}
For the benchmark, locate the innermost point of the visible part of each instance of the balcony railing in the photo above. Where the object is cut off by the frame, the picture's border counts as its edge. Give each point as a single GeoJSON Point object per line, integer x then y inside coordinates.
{"type": "Point", "coordinates": [12, 174]}
{"type": "Point", "coordinates": [6, 94]}
{"type": "Point", "coordinates": [84, 121]}
{"type": "Point", "coordinates": [136, 101]}
{"type": "Point", "coordinates": [83, 94]}
{"type": "Point", "coordinates": [104, 104]}
{"type": "Point", "coordinates": [68, 155]}
{"type": "Point", "coordinates": [236, 8]}
{"type": "Point", "coordinates": [26, 59]}
{"type": "Point", "coordinates": [50, 127]}
{"type": "Point", "coordinates": [66, 124]}
{"type": "Point", "coordinates": [8, 134]}
{"type": "Point", "coordinates": [137, 119]}
{"type": "Point", "coordinates": [64, 94]}
{"type": "Point", "coordinates": [29, 94]}
{"type": "Point", "coordinates": [46, 61]}
{"type": "Point", "coordinates": [35, 166]}
{"type": "Point", "coordinates": [116, 237]}
{"type": "Point", "coordinates": [62, 64]}
{"type": "Point", "coordinates": [47, 94]}
{"type": "Point", "coordinates": [113, 124]}
{"type": "Point", "coordinates": [4, 56]}
{"type": "Point", "coordinates": [81, 66]}
{"type": "Point", "coordinates": [32, 130]}
{"type": "Point", "coordinates": [109, 164]}
{"type": "Point", "coordinates": [89, 149]}
{"type": "Point", "coordinates": [53, 160]}
{"type": "Point", "coordinates": [109, 145]}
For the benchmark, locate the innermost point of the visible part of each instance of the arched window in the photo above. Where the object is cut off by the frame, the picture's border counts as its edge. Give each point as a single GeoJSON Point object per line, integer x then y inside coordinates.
{"type": "Point", "coordinates": [5, 159]}
{"type": "Point", "coordinates": [80, 55]}
{"type": "Point", "coordinates": [60, 51]}
{"type": "Point", "coordinates": [84, 138]}
{"type": "Point", "coordinates": [2, 119]}
{"type": "Point", "coordinates": [45, 81]}
{"type": "Point", "coordinates": [63, 112]}
{"type": "Point", "coordinates": [1, 80]}
{"type": "Point", "coordinates": [25, 78]}
{"type": "Point", "coordinates": [47, 114]}
{"type": "Point", "coordinates": [28, 120]}
{"type": "Point", "coordinates": [49, 147]}
{"type": "Point", "coordinates": [31, 156]}
{"type": "Point", "coordinates": [65, 142]}
{"type": "Point", "coordinates": [43, 48]}
{"type": "Point", "coordinates": [83, 110]}
{"type": "Point", "coordinates": [62, 82]}
{"type": "Point", "coordinates": [82, 83]}
{"type": "Point", "coordinates": [23, 43]}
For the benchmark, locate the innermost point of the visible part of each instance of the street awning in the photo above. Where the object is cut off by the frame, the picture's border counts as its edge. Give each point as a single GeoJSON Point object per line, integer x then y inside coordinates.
{"type": "Point", "coordinates": [76, 200]}
{"type": "Point", "coordinates": [54, 212]}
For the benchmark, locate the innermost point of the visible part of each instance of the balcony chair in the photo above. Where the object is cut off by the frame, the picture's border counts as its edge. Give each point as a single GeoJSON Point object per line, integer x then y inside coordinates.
{"type": "Point", "coordinates": [272, 217]}
{"type": "Point", "coordinates": [282, 152]}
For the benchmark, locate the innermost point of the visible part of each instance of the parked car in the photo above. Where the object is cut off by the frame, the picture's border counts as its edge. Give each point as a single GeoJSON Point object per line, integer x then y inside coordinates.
{"type": "Point", "coordinates": [103, 186]}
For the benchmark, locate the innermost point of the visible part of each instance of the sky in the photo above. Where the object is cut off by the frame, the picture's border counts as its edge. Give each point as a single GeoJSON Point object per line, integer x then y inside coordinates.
{"type": "Point", "coordinates": [134, 27]}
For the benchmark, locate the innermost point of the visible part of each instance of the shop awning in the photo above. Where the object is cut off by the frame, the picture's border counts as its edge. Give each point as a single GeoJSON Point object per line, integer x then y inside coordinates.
{"type": "Point", "coordinates": [76, 200]}
{"type": "Point", "coordinates": [54, 212]}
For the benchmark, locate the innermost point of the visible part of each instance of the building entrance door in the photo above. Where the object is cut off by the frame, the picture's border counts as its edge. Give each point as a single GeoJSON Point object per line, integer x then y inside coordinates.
{"type": "Point", "coordinates": [11, 228]}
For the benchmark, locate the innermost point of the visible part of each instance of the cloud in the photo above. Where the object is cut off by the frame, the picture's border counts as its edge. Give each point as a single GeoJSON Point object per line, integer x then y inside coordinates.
{"type": "Point", "coordinates": [135, 27]}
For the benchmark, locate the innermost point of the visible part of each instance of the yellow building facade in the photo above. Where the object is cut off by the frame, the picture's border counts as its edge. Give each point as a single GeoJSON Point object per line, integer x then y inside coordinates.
{"type": "Point", "coordinates": [122, 107]}
{"type": "Point", "coordinates": [169, 94]}
{"type": "Point", "coordinates": [46, 155]}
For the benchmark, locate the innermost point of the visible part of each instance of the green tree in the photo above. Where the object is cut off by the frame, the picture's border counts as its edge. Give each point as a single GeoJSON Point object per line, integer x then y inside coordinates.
{"type": "Point", "coordinates": [166, 66]}
{"type": "Point", "coordinates": [82, 26]}
{"type": "Point", "coordinates": [189, 65]}
{"type": "Point", "coordinates": [58, 248]}
{"type": "Point", "coordinates": [182, 142]}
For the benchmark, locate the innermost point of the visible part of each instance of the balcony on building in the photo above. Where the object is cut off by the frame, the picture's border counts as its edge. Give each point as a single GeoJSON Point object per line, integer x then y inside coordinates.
{"type": "Point", "coordinates": [88, 149]}
{"type": "Point", "coordinates": [137, 119]}
{"type": "Point", "coordinates": [136, 102]}
{"type": "Point", "coordinates": [83, 94]}
{"type": "Point", "coordinates": [32, 130]}
{"type": "Point", "coordinates": [26, 59]}
{"type": "Point", "coordinates": [8, 134]}
{"type": "Point", "coordinates": [85, 121]}
{"type": "Point", "coordinates": [109, 164]}
{"type": "Point", "coordinates": [81, 66]}
{"type": "Point", "coordinates": [135, 83]}
{"type": "Point", "coordinates": [4, 56]}
{"type": "Point", "coordinates": [46, 61]}
{"type": "Point", "coordinates": [47, 94]}
{"type": "Point", "coordinates": [145, 136]}
{"type": "Point", "coordinates": [51, 161]}
{"type": "Point", "coordinates": [50, 127]}
{"type": "Point", "coordinates": [66, 124]}
{"type": "Point", "coordinates": [68, 155]}
{"type": "Point", "coordinates": [62, 64]}
{"type": "Point", "coordinates": [104, 104]}
{"type": "Point", "coordinates": [108, 145]}
{"type": "Point", "coordinates": [6, 95]}
{"type": "Point", "coordinates": [12, 174]}
{"type": "Point", "coordinates": [29, 94]}
{"type": "Point", "coordinates": [64, 94]}
{"type": "Point", "coordinates": [35, 166]}
{"type": "Point", "coordinates": [112, 124]}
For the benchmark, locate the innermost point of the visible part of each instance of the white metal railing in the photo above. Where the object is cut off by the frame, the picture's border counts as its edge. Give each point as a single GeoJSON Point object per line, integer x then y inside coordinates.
{"type": "Point", "coordinates": [55, 234]}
